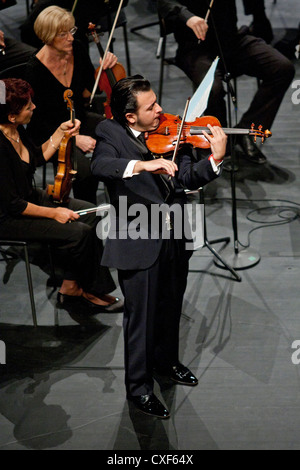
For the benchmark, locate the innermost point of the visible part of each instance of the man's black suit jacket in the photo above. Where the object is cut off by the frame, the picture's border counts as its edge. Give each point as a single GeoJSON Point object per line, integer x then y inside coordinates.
{"type": "Point", "coordinates": [115, 148]}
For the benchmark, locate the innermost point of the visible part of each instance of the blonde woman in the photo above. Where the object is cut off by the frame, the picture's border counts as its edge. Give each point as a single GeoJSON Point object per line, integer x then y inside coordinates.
{"type": "Point", "coordinates": [64, 63]}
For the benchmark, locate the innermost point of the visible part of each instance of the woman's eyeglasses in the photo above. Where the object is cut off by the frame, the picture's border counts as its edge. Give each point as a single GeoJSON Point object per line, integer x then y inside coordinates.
{"type": "Point", "coordinates": [64, 34]}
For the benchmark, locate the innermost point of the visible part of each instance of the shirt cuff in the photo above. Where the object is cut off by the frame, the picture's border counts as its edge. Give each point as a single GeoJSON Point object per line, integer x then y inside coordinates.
{"type": "Point", "coordinates": [215, 167]}
{"type": "Point", "coordinates": [128, 173]}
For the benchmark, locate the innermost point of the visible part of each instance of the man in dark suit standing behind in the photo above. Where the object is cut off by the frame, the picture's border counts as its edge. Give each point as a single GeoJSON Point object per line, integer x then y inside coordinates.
{"type": "Point", "coordinates": [201, 39]}
{"type": "Point", "coordinates": [153, 266]}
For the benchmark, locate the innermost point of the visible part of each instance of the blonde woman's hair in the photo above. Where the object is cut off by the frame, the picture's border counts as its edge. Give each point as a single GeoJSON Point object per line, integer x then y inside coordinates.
{"type": "Point", "coordinates": [51, 21]}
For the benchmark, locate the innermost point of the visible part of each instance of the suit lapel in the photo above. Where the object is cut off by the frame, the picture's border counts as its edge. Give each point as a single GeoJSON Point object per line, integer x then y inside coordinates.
{"type": "Point", "coordinates": [140, 145]}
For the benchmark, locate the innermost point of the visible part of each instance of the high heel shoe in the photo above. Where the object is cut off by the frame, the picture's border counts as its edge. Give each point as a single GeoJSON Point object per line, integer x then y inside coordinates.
{"type": "Point", "coordinates": [116, 307]}
{"type": "Point", "coordinates": [63, 299]}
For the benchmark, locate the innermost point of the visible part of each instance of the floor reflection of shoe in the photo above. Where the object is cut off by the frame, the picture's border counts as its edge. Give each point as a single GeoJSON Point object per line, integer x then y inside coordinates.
{"type": "Point", "coordinates": [250, 150]}
{"type": "Point", "coordinates": [182, 375]}
{"type": "Point", "coordinates": [179, 374]}
{"type": "Point", "coordinates": [150, 405]}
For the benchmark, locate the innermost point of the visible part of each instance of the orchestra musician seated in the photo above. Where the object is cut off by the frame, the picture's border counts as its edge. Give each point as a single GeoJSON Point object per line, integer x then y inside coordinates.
{"type": "Point", "coordinates": [201, 34]}
{"type": "Point", "coordinates": [63, 63]}
{"type": "Point", "coordinates": [13, 52]}
{"type": "Point", "coordinates": [27, 213]}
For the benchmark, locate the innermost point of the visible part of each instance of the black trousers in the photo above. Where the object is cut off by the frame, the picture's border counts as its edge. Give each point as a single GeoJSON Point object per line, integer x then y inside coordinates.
{"type": "Point", "coordinates": [153, 301]}
{"type": "Point", "coordinates": [77, 248]}
{"type": "Point", "coordinates": [253, 57]}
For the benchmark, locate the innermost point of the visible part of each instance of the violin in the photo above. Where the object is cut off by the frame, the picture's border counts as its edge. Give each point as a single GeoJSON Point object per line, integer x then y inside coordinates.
{"type": "Point", "coordinates": [163, 140]}
{"type": "Point", "coordinates": [65, 175]}
{"type": "Point", "coordinates": [108, 77]}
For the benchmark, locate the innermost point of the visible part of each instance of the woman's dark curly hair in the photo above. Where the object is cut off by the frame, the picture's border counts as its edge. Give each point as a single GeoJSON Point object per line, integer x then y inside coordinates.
{"type": "Point", "coordinates": [123, 97]}
{"type": "Point", "coordinates": [17, 94]}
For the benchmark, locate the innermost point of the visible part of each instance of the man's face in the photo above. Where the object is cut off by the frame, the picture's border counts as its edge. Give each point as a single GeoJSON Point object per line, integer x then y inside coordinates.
{"type": "Point", "coordinates": [147, 116]}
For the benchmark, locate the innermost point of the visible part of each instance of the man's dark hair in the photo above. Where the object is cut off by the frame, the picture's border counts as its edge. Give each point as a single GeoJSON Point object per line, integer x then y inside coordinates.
{"type": "Point", "coordinates": [124, 96]}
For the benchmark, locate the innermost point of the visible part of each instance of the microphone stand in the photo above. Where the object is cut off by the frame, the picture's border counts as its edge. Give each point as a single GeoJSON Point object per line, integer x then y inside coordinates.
{"type": "Point", "coordinates": [246, 258]}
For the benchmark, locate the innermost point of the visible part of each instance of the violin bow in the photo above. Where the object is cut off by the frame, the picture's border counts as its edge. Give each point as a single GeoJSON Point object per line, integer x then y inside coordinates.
{"type": "Point", "coordinates": [180, 129]}
{"type": "Point", "coordinates": [207, 15]}
{"type": "Point", "coordinates": [74, 6]}
{"type": "Point", "coordinates": [102, 207]}
{"type": "Point", "coordinates": [106, 51]}
{"type": "Point", "coordinates": [208, 11]}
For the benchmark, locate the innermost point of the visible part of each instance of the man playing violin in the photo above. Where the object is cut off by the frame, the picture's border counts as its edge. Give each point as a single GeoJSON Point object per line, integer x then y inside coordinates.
{"type": "Point", "coordinates": [152, 267]}
{"type": "Point", "coordinates": [27, 213]}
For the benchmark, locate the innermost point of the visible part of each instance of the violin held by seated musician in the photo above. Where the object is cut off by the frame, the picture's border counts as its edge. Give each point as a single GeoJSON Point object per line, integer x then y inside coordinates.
{"type": "Point", "coordinates": [60, 190]}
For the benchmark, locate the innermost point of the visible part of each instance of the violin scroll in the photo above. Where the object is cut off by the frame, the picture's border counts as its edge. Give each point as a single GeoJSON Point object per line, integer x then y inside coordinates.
{"type": "Point", "coordinates": [67, 97]}
{"type": "Point", "coordinates": [259, 133]}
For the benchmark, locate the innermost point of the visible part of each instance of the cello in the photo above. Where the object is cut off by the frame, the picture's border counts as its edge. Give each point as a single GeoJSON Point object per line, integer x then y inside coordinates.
{"type": "Point", "coordinates": [108, 77]}
{"type": "Point", "coordinates": [60, 190]}
{"type": "Point", "coordinates": [105, 53]}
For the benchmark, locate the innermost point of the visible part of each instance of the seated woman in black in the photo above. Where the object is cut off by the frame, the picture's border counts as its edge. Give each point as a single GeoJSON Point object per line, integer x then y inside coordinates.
{"type": "Point", "coordinates": [27, 213]}
{"type": "Point", "coordinates": [60, 64]}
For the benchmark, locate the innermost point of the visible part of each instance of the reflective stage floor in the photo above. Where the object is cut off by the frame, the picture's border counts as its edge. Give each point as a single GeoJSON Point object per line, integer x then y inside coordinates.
{"type": "Point", "coordinates": [62, 387]}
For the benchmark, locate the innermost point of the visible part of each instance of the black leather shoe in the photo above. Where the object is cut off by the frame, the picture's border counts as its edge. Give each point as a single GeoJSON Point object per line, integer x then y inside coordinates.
{"type": "Point", "coordinates": [250, 150]}
{"type": "Point", "coordinates": [150, 405]}
{"type": "Point", "coordinates": [182, 375]}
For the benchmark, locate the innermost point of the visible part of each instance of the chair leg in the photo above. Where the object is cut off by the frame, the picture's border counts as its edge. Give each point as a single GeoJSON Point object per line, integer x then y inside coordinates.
{"type": "Point", "coordinates": [30, 287]}
{"type": "Point", "coordinates": [52, 267]}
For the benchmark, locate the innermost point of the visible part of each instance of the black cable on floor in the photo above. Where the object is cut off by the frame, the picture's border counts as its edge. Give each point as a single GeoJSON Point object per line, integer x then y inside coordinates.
{"type": "Point", "coordinates": [286, 219]}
